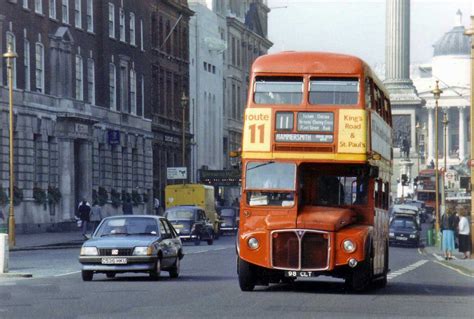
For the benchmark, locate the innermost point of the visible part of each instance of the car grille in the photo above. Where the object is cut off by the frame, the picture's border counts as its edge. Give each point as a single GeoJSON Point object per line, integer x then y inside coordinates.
{"type": "Point", "coordinates": [299, 249]}
{"type": "Point", "coordinates": [121, 251]}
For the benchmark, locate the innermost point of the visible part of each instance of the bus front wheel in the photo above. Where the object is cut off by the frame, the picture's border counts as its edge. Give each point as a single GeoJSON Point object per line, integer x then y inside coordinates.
{"type": "Point", "coordinates": [359, 278]}
{"type": "Point", "coordinates": [246, 275]}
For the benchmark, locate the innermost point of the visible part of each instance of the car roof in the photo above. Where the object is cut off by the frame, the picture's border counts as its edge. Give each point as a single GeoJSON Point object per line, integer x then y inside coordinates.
{"type": "Point", "coordinates": [134, 216]}
{"type": "Point", "coordinates": [181, 207]}
{"type": "Point", "coordinates": [405, 207]}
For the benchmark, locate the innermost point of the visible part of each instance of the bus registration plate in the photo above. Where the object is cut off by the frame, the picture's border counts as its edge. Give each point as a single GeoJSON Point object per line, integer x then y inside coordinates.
{"type": "Point", "coordinates": [294, 274]}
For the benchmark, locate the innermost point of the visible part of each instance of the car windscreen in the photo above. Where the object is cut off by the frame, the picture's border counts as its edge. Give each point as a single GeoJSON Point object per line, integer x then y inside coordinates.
{"type": "Point", "coordinates": [183, 214]}
{"type": "Point", "coordinates": [227, 212]}
{"type": "Point", "coordinates": [127, 226]}
{"type": "Point", "coordinates": [403, 223]}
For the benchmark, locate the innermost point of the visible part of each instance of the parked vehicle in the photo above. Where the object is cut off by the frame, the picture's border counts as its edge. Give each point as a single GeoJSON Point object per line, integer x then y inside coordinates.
{"type": "Point", "coordinates": [406, 209]}
{"type": "Point", "coordinates": [132, 243]}
{"type": "Point", "coordinates": [191, 224]}
{"type": "Point", "coordinates": [229, 217]}
{"type": "Point", "coordinates": [421, 208]}
{"type": "Point", "coordinates": [194, 195]}
{"type": "Point", "coordinates": [404, 230]}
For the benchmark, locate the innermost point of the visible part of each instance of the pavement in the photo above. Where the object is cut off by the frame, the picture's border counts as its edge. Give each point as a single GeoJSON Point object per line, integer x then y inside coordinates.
{"type": "Point", "coordinates": [463, 266]}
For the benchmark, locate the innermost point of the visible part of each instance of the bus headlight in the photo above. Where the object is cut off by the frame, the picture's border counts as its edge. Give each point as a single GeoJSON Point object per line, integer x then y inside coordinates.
{"type": "Point", "coordinates": [349, 246]}
{"type": "Point", "coordinates": [253, 243]}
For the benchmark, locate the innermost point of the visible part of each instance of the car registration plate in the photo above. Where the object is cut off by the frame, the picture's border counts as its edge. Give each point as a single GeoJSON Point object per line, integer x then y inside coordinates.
{"type": "Point", "coordinates": [401, 238]}
{"type": "Point", "coordinates": [294, 274]}
{"type": "Point", "coordinates": [113, 261]}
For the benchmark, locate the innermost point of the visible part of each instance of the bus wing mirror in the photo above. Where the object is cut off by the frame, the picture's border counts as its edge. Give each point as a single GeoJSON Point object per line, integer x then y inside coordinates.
{"type": "Point", "coordinates": [374, 171]}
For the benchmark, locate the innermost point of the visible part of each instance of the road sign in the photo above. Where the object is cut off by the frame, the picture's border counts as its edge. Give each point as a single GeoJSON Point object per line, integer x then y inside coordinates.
{"type": "Point", "coordinates": [176, 173]}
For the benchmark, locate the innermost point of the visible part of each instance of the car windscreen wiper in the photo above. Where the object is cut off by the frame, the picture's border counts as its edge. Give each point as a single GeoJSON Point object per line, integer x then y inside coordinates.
{"type": "Point", "coordinates": [144, 233]}
{"type": "Point", "coordinates": [113, 234]}
{"type": "Point", "coordinates": [260, 165]}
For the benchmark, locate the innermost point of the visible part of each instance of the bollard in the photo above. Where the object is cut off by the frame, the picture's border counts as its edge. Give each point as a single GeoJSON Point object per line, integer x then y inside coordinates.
{"type": "Point", "coordinates": [3, 253]}
{"type": "Point", "coordinates": [429, 237]}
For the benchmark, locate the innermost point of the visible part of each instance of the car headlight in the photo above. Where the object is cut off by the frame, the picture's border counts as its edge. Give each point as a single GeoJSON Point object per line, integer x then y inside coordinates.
{"type": "Point", "coordinates": [253, 243]}
{"type": "Point", "coordinates": [142, 251]}
{"type": "Point", "coordinates": [412, 235]}
{"type": "Point", "coordinates": [89, 251]}
{"type": "Point", "coordinates": [391, 234]}
{"type": "Point", "coordinates": [349, 246]}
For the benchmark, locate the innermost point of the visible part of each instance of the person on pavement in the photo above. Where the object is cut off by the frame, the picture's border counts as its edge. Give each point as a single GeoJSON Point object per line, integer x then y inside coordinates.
{"type": "Point", "coordinates": [96, 216]}
{"type": "Point", "coordinates": [448, 227]}
{"type": "Point", "coordinates": [127, 207]}
{"type": "Point", "coordinates": [463, 233]}
{"type": "Point", "coordinates": [84, 213]}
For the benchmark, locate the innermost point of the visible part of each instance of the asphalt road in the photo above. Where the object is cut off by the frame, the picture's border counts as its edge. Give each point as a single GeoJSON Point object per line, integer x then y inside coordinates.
{"type": "Point", "coordinates": [208, 287]}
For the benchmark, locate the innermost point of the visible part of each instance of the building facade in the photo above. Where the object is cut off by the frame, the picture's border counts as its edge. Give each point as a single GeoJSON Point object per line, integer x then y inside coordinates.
{"type": "Point", "coordinates": [206, 71]}
{"type": "Point", "coordinates": [170, 81]}
{"type": "Point", "coordinates": [81, 105]}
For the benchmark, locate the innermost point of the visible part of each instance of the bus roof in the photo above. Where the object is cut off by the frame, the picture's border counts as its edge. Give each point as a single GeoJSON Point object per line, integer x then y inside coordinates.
{"type": "Point", "coordinates": [292, 62]}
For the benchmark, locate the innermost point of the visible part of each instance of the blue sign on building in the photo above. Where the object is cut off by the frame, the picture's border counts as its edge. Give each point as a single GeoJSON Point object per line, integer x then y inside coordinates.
{"type": "Point", "coordinates": [113, 137]}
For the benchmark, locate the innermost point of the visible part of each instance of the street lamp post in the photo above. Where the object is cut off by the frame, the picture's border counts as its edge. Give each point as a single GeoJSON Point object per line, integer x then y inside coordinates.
{"type": "Point", "coordinates": [10, 56]}
{"type": "Point", "coordinates": [417, 130]}
{"type": "Point", "coordinates": [436, 93]}
{"type": "Point", "coordinates": [445, 139]}
{"type": "Point", "coordinates": [184, 103]}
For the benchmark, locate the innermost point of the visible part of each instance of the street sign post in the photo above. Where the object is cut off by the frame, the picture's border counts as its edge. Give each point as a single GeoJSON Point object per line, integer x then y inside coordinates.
{"type": "Point", "coordinates": [177, 173]}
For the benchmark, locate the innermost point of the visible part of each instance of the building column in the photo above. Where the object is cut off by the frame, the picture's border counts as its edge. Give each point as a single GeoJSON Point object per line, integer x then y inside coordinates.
{"type": "Point", "coordinates": [397, 53]}
{"type": "Point", "coordinates": [2, 17]}
{"type": "Point", "coordinates": [448, 130]}
{"type": "Point", "coordinates": [431, 139]}
{"type": "Point", "coordinates": [66, 178]}
{"type": "Point", "coordinates": [462, 136]}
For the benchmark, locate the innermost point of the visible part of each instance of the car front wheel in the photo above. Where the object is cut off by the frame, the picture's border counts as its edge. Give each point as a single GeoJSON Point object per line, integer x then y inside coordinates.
{"type": "Point", "coordinates": [87, 275]}
{"type": "Point", "coordinates": [155, 273]}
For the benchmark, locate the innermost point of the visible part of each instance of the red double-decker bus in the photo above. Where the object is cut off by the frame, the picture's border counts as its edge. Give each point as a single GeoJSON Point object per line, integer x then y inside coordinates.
{"type": "Point", "coordinates": [316, 168]}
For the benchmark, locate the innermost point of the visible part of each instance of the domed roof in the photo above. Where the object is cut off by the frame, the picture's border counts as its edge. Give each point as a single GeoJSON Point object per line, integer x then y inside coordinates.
{"type": "Point", "coordinates": [454, 42]}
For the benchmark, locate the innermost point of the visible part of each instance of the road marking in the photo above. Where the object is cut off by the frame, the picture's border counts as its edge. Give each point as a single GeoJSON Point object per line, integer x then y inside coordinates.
{"type": "Point", "coordinates": [206, 250]}
{"type": "Point", "coordinates": [407, 269]}
{"type": "Point", "coordinates": [455, 269]}
{"type": "Point", "coordinates": [67, 274]}
{"type": "Point", "coordinates": [438, 257]}
{"type": "Point", "coordinates": [421, 252]}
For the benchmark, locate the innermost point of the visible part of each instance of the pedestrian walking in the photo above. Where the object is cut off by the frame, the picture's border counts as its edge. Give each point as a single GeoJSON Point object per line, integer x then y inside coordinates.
{"type": "Point", "coordinates": [156, 205]}
{"type": "Point", "coordinates": [448, 227]}
{"type": "Point", "coordinates": [463, 233]}
{"type": "Point", "coordinates": [96, 215]}
{"type": "Point", "coordinates": [127, 207]}
{"type": "Point", "coordinates": [84, 214]}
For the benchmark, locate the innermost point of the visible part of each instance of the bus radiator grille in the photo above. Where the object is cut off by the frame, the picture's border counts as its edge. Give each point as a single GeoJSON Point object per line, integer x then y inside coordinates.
{"type": "Point", "coordinates": [285, 250]}
{"type": "Point", "coordinates": [314, 251]}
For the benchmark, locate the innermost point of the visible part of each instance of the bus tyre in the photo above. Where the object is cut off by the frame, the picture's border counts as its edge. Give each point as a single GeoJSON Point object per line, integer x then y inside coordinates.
{"type": "Point", "coordinates": [382, 282]}
{"type": "Point", "coordinates": [246, 275]}
{"type": "Point", "coordinates": [360, 278]}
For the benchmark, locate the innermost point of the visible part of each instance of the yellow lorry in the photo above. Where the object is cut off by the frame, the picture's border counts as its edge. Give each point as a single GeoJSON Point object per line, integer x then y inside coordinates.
{"type": "Point", "coordinates": [195, 195]}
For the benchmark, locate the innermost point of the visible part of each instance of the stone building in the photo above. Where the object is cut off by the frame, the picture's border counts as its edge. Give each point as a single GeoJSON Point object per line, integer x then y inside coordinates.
{"type": "Point", "coordinates": [170, 80]}
{"type": "Point", "coordinates": [451, 66]}
{"type": "Point", "coordinates": [81, 104]}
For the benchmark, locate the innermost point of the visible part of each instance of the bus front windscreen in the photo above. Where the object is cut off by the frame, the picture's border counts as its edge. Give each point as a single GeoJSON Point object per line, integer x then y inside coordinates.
{"type": "Point", "coordinates": [270, 183]}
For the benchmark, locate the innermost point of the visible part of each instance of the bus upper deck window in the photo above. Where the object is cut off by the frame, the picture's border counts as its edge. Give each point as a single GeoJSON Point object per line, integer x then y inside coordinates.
{"type": "Point", "coordinates": [278, 90]}
{"type": "Point", "coordinates": [334, 91]}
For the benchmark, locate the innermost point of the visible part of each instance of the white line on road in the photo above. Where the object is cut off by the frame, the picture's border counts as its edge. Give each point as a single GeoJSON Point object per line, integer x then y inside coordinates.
{"type": "Point", "coordinates": [68, 273]}
{"type": "Point", "coordinates": [407, 269]}
{"type": "Point", "coordinates": [437, 257]}
{"type": "Point", "coordinates": [455, 269]}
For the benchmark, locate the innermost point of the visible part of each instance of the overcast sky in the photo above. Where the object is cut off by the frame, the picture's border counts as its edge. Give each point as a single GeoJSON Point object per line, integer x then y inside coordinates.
{"type": "Point", "coordinates": [357, 27]}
